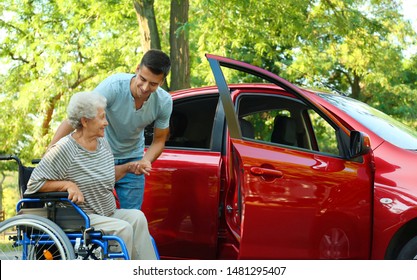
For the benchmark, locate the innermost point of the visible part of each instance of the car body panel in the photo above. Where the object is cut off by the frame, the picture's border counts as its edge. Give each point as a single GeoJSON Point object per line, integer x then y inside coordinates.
{"type": "Point", "coordinates": [395, 188]}
{"type": "Point", "coordinates": [182, 203]}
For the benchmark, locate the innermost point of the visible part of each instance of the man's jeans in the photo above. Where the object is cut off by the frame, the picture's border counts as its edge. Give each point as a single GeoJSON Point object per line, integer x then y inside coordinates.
{"type": "Point", "coordinates": [130, 188]}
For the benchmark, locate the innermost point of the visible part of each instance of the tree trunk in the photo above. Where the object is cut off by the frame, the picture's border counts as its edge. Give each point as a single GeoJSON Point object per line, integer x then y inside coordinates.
{"type": "Point", "coordinates": [52, 102]}
{"type": "Point", "coordinates": [179, 43]}
{"type": "Point", "coordinates": [356, 88]}
{"type": "Point", "coordinates": [48, 115]}
{"type": "Point", "coordinates": [147, 23]}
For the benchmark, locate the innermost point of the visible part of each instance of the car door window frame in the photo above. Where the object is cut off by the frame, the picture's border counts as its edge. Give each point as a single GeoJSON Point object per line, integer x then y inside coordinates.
{"type": "Point", "coordinates": [292, 107]}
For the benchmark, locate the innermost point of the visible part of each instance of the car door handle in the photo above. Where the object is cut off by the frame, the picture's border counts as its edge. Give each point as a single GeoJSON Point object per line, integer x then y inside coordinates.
{"type": "Point", "coordinates": [260, 171]}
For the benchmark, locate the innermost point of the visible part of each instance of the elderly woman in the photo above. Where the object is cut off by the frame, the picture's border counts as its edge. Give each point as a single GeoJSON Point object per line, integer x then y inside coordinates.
{"type": "Point", "coordinates": [82, 164]}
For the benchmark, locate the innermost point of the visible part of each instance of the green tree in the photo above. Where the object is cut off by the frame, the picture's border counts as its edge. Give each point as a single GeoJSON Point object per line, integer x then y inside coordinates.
{"type": "Point", "coordinates": [355, 47]}
{"type": "Point", "coordinates": [148, 26]}
{"type": "Point", "coordinates": [258, 32]}
{"type": "Point", "coordinates": [52, 49]}
{"type": "Point", "coordinates": [179, 44]}
{"type": "Point", "coordinates": [351, 46]}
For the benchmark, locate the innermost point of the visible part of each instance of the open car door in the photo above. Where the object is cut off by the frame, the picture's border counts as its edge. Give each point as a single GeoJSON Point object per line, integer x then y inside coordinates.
{"type": "Point", "coordinates": [292, 200]}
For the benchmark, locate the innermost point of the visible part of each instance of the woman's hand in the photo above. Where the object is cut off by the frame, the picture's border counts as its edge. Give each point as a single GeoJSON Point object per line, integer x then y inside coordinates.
{"type": "Point", "coordinates": [74, 193]}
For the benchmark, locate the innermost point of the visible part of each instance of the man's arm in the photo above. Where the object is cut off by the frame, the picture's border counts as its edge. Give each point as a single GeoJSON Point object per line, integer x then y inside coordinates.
{"type": "Point", "coordinates": [63, 130]}
{"type": "Point", "coordinates": [157, 146]}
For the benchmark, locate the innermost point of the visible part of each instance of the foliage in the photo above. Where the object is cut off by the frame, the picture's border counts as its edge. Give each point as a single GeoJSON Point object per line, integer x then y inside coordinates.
{"type": "Point", "coordinates": [10, 194]}
{"type": "Point", "coordinates": [51, 49]}
{"type": "Point", "coordinates": [352, 46]}
{"type": "Point", "coordinates": [258, 32]}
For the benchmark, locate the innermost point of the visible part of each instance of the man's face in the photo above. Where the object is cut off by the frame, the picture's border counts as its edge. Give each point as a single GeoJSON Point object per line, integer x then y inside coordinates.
{"type": "Point", "coordinates": [146, 82]}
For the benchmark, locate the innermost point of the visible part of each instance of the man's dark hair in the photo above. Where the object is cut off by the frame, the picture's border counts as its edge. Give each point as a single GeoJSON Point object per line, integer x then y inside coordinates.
{"type": "Point", "coordinates": [157, 61]}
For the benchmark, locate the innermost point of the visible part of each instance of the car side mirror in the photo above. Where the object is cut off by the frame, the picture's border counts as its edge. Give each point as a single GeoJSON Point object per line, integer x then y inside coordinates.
{"type": "Point", "coordinates": [360, 144]}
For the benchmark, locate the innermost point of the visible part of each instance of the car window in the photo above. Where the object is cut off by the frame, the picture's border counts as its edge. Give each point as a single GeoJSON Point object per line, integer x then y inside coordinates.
{"type": "Point", "coordinates": [324, 133]}
{"type": "Point", "coordinates": [262, 124]}
{"type": "Point", "coordinates": [286, 121]}
{"type": "Point", "coordinates": [191, 122]}
{"type": "Point", "coordinates": [380, 123]}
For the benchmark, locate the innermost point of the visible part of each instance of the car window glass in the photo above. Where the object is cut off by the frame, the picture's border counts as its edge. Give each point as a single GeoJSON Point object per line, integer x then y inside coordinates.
{"type": "Point", "coordinates": [148, 134]}
{"type": "Point", "coordinates": [274, 119]}
{"type": "Point", "coordinates": [286, 121]}
{"type": "Point", "coordinates": [191, 122]}
{"type": "Point", "coordinates": [380, 123]}
{"type": "Point", "coordinates": [262, 124]}
{"type": "Point", "coordinates": [324, 133]}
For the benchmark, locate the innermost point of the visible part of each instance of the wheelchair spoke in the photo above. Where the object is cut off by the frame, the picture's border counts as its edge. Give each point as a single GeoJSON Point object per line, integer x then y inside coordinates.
{"type": "Point", "coordinates": [29, 237]}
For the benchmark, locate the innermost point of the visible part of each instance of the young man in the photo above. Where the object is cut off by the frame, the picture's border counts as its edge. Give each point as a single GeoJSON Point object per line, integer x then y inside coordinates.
{"type": "Point", "coordinates": [133, 102]}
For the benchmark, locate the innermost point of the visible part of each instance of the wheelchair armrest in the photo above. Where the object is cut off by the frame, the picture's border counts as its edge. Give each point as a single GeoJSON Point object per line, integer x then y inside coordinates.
{"type": "Point", "coordinates": [46, 195]}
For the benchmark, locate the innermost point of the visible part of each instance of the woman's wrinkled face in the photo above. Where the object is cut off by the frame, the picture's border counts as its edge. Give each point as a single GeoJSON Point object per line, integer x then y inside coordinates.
{"type": "Point", "coordinates": [97, 125]}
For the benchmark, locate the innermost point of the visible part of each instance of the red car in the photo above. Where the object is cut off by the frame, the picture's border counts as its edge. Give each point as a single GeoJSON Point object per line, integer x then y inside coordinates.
{"type": "Point", "coordinates": [273, 171]}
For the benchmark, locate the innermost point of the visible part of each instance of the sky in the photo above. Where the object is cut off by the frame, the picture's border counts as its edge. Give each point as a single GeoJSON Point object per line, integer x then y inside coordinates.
{"type": "Point", "coordinates": [410, 11]}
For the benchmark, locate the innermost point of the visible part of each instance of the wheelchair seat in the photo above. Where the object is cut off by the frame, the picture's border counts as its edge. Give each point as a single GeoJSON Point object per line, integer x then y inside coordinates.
{"type": "Point", "coordinates": [55, 208]}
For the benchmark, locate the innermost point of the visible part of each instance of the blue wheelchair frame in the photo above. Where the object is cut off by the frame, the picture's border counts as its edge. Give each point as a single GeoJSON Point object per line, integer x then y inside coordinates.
{"type": "Point", "coordinates": [95, 237]}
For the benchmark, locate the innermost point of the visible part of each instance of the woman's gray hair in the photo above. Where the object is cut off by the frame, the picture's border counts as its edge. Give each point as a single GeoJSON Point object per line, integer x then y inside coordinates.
{"type": "Point", "coordinates": [84, 105]}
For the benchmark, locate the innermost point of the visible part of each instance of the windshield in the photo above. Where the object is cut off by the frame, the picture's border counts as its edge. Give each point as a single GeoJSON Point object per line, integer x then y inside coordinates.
{"type": "Point", "coordinates": [378, 122]}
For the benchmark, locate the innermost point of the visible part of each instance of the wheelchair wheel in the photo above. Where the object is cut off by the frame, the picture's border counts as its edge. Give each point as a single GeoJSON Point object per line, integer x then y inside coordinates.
{"type": "Point", "coordinates": [31, 237]}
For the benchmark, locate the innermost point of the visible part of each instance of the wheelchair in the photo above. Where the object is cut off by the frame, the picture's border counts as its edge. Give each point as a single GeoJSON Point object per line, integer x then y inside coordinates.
{"type": "Point", "coordinates": [48, 226]}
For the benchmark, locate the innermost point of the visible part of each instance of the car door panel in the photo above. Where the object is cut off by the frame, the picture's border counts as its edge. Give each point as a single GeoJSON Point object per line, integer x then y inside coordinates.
{"type": "Point", "coordinates": [291, 205]}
